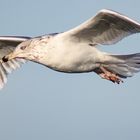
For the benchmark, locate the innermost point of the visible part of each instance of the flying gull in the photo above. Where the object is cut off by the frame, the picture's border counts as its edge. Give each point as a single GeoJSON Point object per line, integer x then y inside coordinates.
{"type": "Point", "coordinates": [75, 51]}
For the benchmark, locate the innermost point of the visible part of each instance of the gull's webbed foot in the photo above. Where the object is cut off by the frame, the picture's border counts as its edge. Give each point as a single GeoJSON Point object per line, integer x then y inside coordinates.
{"type": "Point", "coordinates": [106, 74]}
{"type": "Point", "coordinates": [112, 77]}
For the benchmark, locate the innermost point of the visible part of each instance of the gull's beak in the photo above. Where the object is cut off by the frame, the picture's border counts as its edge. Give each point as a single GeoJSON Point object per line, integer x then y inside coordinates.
{"type": "Point", "coordinates": [8, 57]}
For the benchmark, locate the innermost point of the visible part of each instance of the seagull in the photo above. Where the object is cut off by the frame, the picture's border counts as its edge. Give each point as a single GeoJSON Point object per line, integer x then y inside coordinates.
{"type": "Point", "coordinates": [76, 50]}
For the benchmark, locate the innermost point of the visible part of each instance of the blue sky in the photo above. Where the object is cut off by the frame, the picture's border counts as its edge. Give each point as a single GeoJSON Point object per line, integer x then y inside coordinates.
{"type": "Point", "coordinates": [38, 103]}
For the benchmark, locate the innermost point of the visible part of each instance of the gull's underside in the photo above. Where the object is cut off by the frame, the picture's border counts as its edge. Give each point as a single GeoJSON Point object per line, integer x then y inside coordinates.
{"type": "Point", "coordinates": [75, 51]}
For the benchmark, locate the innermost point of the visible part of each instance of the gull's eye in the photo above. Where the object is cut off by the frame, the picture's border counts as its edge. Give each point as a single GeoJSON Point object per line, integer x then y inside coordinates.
{"type": "Point", "coordinates": [22, 47]}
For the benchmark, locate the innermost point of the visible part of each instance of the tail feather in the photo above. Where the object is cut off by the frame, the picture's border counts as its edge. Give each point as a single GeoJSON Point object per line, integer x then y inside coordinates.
{"type": "Point", "coordinates": [124, 65]}
{"type": "Point", "coordinates": [8, 67]}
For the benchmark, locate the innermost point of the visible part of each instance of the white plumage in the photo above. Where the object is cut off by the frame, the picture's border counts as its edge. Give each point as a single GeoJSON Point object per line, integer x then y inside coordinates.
{"type": "Point", "coordinates": [75, 51]}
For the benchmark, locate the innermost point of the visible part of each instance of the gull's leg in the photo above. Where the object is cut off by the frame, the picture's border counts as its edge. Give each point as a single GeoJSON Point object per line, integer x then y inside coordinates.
{"type": "Point", "coordinates": [105, 74]}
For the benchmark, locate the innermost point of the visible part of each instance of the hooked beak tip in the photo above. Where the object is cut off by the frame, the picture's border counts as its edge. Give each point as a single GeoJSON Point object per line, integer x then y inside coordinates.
{"type": "Point", "coordinates": [5, 59]}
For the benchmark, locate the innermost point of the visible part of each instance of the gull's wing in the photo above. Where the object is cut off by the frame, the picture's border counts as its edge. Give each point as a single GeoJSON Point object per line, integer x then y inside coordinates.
{"type": "Point", "coordinates": [7, 45]}
{"type": "Point", "coordinates": [107, 27]}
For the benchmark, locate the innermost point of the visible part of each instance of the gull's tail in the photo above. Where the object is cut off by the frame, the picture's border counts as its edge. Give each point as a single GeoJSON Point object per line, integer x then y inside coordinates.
{"type": "Point", "coordinates": [8, 67]}
{"type": "Point", "coordinates": [123, 65]}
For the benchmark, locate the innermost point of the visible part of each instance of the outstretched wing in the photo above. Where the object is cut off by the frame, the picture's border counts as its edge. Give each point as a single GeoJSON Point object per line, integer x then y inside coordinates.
{"type": "Point", "coordinates": [107, 27]}
{"type": "Point", "coordinates": [7, 45]}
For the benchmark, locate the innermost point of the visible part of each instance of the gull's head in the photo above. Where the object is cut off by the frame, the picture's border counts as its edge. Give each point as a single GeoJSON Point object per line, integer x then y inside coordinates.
{"type": "Point", "coordinates": [32, 49]}
{"type": "Point", "coordinates": [24, 50]}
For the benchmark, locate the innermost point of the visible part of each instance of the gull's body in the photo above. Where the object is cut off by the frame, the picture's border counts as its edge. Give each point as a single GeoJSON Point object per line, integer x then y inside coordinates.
{"type": "Point", "coordinates": [75, 51]}
{"type": "Point", "coordinates": [65, 57]}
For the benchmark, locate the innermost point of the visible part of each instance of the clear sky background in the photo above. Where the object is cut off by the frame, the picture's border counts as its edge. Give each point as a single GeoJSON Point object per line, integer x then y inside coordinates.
{"type": "Point", "coordinates": [40, 104]}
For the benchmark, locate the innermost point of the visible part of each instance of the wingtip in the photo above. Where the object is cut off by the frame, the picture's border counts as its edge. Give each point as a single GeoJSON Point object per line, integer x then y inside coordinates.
{"type": "Point", "coordinates": [120, 15]}
{"type": "Point", "coordinates": [2, 84]}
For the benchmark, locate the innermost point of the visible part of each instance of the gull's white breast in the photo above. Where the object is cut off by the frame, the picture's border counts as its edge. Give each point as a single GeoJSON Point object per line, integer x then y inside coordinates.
{"type": "Point", "coordinates": [68, 56]}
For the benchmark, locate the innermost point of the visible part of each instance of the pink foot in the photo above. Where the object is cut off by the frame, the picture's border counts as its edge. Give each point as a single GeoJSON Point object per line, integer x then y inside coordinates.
{"type": "Point", "coordinates": [105, 74]}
